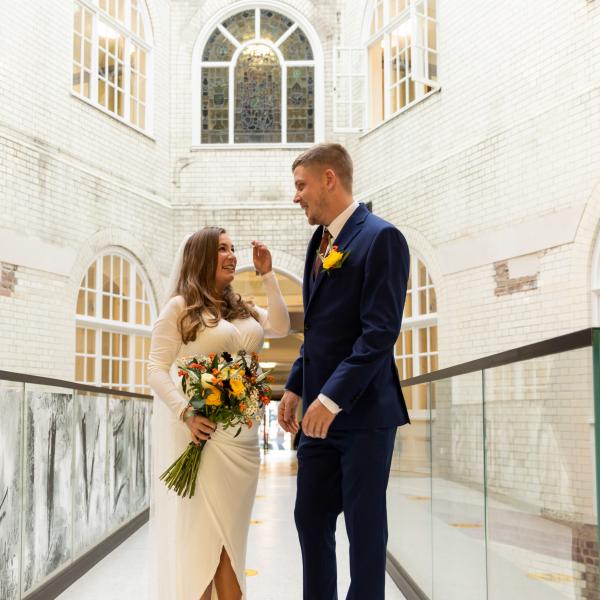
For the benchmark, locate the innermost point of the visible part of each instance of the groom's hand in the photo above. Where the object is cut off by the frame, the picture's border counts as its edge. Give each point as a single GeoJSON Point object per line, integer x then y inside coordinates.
{"type": "Point", "coordinates": [286, 413]}
{"type": "Point", "coordinates": [317, 420]}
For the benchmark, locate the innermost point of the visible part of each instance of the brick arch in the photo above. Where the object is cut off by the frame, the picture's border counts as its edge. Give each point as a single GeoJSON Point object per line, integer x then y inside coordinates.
{"type": "Point", "coordinates": [283, 263]}
{"type": "Point", "coordinates": [117, 238]}
{"type": "Point", "coordinates": [585, 258]}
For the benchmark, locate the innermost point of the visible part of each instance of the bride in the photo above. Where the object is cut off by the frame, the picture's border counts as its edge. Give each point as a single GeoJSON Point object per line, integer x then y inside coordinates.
{"type": "Point", "coordinates": [199, 544]}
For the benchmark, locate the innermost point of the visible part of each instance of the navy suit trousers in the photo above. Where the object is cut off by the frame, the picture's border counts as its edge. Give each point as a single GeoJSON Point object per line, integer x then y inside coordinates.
{"type": "Point", "coordinates": [346, 472]}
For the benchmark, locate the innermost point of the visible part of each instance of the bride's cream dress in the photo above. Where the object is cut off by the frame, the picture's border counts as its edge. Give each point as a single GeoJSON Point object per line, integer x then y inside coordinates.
{"type": "Point", "coordinates": [188, 534]}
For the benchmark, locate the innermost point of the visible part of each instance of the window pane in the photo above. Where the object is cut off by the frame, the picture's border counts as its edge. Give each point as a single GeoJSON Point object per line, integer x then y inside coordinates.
{"type": "Point", "coordinates": [218, 48]}
{"type": "Point", "coordinates": [433, 338]}
{"type": "Point", "coordinates": [422, 274]}
{"type": "Point", "coordinates": [105, 306]}
{"type": "Point", "coordinates": [79, 340]}
{"type": "Point", "coordinates": [273, 25]}
{"type": "Point", "coordinates": [408, 346]}
{"type": "Point", "coordinates": [257, 96]}
{"type": "Point", "coordinates": [431, 8]}
{"type": "Point", "coordinates": [77, 49]}
{"type": "Point", "coordinates": [77, 18]}
{"type": "Point", "coordinates": [242, 25]}
{"type": "Point", "coordinates": [91, 341]}
{"type": "Point", "coordinates": [431, 35]}
{"type": "Point", "coordinates": [81, 303]}
{"type": "Point", "coordinates": [105, 344]}
{"type": "Point", "coordinates": [297, 47]}
{"type": "Point", "coordinates": [422, 302]}
{"type": "Point", "coordinates": [91, 276]}
{"type": "Point", "coordinates": [79, 365]}
{"type": "Point", "coordinates": [90, 373]}
{"type": "Point", "coordinates": [432, 300]}
{"type": "Point", "coordinates": [215, 106]}
{"type": "Point", "coordinates": [408, 308]}
{"type": "Point", "coordinates": [301, 102]}
{"type": "Point", "coordinates": [423, 346]}
{"type": "Point", "coordinates": [376, 81]}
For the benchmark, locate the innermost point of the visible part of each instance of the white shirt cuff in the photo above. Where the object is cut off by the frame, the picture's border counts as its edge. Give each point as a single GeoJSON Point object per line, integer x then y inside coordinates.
{"type": "Point", "coordinates": [329, 404]}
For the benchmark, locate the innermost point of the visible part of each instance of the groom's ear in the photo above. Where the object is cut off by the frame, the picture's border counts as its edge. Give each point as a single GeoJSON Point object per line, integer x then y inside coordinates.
{"type": "Point", "coordinates": [329, 178]}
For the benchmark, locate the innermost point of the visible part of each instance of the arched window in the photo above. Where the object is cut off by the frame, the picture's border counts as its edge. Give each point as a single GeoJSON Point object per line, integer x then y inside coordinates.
{"type": "Point", "coordinates": [417, 346]}
{"type": "Point", "coordinates": [112, 53]}
{"type": "Point", "coordinates": [114, 318]}
{"type": "Point", "coordinates": [257, 82]}
{"type": "Point", "coordinates": [402, 55]}
{"type": "Point", "coordinates": [596, 285]}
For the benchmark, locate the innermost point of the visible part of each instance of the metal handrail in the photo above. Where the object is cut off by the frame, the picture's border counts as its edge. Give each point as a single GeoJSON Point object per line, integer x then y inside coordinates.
{"type": "Point", "coordinates": [82, 387]}
{"type": "Point", "coordinates": [555, 345]}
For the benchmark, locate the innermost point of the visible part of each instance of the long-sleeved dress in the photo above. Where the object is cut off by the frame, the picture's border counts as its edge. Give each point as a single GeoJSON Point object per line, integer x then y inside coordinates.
{"type": "Point", "coordinates": [188, 534]}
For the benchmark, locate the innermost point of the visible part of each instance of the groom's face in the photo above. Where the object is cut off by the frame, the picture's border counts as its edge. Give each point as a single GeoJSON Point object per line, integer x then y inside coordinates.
{"type": "Point", "coordinates": [311, 193]}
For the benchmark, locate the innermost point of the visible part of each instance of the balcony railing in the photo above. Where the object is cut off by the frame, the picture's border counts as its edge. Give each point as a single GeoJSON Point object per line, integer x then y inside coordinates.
{"type": "Point", "coordinates": [495, 495]}
{"type": "Point", "coordinates": [74, 479]}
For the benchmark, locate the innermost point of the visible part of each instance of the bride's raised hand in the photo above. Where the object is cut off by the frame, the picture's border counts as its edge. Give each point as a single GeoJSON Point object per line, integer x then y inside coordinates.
{"type": "Point", "coordinates": [261, 255]}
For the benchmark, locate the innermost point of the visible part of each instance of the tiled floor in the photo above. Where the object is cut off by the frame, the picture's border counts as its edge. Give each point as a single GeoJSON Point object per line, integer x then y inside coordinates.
{"type": "Point", "coordinates": [275, 570]}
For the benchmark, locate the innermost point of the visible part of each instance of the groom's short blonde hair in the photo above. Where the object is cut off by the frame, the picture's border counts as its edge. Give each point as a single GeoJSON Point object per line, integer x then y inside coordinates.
{"type": "Point", "coordinates": [331, 156]}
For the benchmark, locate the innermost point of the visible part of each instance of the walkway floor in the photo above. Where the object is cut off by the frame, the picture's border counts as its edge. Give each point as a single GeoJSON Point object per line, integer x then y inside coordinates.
{"type": "Point", "coordinates": [274, 565]}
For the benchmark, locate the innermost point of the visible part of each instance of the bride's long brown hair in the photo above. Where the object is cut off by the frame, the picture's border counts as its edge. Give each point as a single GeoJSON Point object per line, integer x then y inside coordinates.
{"type": "Point", "coordinates": [197, 286]}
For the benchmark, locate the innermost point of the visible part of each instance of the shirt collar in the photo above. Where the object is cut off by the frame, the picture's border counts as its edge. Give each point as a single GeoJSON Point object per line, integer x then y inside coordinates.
{"type": "Point", "coordinates": [336, 226]}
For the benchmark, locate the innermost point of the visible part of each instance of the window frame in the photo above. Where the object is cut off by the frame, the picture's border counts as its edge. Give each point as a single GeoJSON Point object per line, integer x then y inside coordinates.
{"type": "Point", "coordinates": [317, 63]}
{"type": "Point", "coordinates": [101, 325]}
{"type": "Point", "coordinates": [382, 36]}
{"type": "Point", "coordinates": [415, 323]}
{"type": "Point", "coordinates": [130, 37]}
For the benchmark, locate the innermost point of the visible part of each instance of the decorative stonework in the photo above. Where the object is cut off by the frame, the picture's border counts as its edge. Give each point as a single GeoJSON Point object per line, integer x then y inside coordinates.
{"type": "Point", "coordinates": [8, 279]}
{"type": "Point", "coordinates": [506, 285]}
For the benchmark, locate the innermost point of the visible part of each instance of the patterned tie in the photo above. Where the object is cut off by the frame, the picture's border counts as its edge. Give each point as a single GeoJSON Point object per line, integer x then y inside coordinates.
{"type": "Point", "coordinates": [322, 249]}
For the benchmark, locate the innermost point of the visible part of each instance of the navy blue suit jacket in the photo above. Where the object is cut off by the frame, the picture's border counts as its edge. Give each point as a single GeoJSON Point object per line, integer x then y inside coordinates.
{"type": "Point", "coordinates": [352, 319]}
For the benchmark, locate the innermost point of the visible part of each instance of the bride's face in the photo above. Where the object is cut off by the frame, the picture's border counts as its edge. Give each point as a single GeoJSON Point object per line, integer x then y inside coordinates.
{"type": "Point", "coordinates": [226, 262]}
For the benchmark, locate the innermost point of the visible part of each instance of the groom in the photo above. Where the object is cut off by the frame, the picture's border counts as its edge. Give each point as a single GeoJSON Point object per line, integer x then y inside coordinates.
{"type": "Point", "coordinates": [355, 281]}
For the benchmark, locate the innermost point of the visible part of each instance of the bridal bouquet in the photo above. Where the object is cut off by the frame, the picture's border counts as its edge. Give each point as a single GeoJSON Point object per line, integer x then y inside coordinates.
{"type": "Point", "coordinates": [226, 390]}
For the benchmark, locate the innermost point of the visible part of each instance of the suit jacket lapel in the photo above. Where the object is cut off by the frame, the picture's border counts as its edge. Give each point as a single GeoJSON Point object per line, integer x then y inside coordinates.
{"type": "Point", "coordinates": [308, 284]}
{"type": "Point", "coordinates": [349, 231]}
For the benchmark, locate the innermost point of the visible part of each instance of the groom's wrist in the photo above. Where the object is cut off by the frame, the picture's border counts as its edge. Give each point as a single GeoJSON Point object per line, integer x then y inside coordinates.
{"type": "Point", "coordinates": [329, 404]}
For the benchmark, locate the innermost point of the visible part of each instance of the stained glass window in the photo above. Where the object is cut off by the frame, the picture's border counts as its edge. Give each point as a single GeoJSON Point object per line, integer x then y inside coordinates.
{"type": "Point", "coordinates": [300, 103]}
{"type": "Point", "coordinates": [273, 25]}
{"type": "Point", "coordinates": [242, 26]}
{"type": "Point", "coordinates": [258, 96]}
{"type": "Point", "coordinates": [215, 106]}
{"type": "Point", "coordinates": [218, 48]}
{"type": "Point", "coordinates": [297, 47]}
{"type": "Point", "coordinates": [258, 46]}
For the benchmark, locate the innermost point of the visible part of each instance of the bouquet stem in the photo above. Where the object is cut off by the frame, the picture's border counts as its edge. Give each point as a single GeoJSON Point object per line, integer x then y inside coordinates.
{"type": "Point", "coordinates": [181, 475]}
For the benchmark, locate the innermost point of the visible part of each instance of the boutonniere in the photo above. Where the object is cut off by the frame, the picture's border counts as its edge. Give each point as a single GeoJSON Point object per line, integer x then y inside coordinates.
{"type": "Point", "coordinates": [334, 260]}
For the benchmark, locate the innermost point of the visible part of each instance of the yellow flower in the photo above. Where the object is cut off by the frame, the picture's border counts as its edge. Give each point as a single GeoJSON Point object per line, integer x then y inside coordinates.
{"type": "Point", "coordinates": [237, 387]}
{"type": "Point", "coordinates": [332, 259]}
{"type": "Point", "coordinates": [214, 399]}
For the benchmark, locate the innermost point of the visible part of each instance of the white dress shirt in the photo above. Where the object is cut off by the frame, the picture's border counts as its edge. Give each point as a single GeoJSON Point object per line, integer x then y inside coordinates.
{"type": "Point", "coordinates": [335, 228]}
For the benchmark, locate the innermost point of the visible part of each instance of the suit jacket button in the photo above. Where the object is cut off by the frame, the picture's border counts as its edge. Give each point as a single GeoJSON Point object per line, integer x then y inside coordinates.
{"type": "Point", "coordinates": [306, 327]}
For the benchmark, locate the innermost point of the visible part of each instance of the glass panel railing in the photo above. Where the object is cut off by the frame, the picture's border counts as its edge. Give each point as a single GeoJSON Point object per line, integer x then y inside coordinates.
{"type": "Point", "coordinates": [409, 498]}
{"type": "Point", "coordinates": [542, 526]}
{"type": "Point", "coordinates": [494, 494]}
{"type": "Point", "coordinates": [458, 507]}
{"type": "Point", "coordinates": [74, 468]}
{"type": "Point", "coordinates": [11, 446]}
